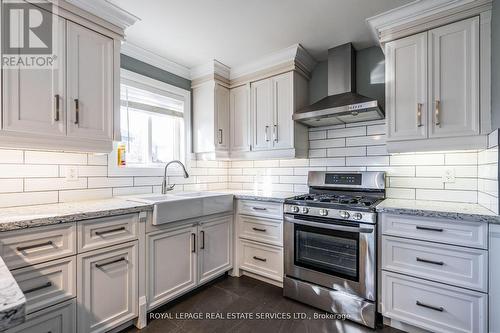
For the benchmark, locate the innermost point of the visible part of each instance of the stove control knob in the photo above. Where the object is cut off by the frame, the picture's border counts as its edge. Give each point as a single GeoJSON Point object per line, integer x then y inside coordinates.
{"type": "Point", "coordinates": [305, 210]}
{"type": "Point", "coordinates": [357, 216]}
{"type": "Point", "coordinates": [343, 214]}
{"type": "Point", "coordinates": [323, 212]}
{"type": "Point", "coordinates": [295, 209]}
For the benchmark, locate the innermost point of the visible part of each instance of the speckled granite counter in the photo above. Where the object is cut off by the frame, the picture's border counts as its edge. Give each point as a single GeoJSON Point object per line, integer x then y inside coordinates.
{"type": "Point", "coordinates": [40, 215]}
{"type": "Point", "coordinates": [12, 300]}
{"type": "Point", "coordinates": [278, 197]}
{"type": "Point", "coordinates": [449, 210]}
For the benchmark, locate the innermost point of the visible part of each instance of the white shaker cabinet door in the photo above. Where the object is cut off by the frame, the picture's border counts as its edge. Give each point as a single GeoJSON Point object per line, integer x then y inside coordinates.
{"type": "Point", "coordinates": [107, 287]}
{"type": "Point", "coordinates": [90, 83]}
{"type": "Point", "coordinates": [454, 79]}
{"type": "Point", "coordinates": [215, 247]}
{"type": "Point", "coordinates": [222, 117]}
{"type": "Point", "coordinates": [494, 295]}
{"type": "Point", "coordinates": [262, 114]}
{"type": "Point", "coordinates": [282, 132]}
{"type": "Point", "coordinates": [406, 88]}
{"type": "Point", "coordinates": [34, 99]}
{"type": "Point", "coordinates": [240, 118]}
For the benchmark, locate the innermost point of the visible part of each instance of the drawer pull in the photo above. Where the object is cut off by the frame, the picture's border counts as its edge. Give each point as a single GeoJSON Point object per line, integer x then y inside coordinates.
{"type": "Point", "coordinates": [34, 246]}
{"type": "Point", "coordinates": [429, 229]}
{"type": "Point", "coordinates": [259, 229]}
{"type": "Point", "coordinates": [27, 291]}
{"type": "Point", "coordinates": [432, 307]}
{"type": "Point", "coordinates": [260, 259]}
{"type": "Point", "coordinates": [440, 263]}
{"type": "Point", "coordinates": [202, 240]}
{"type": "Point", "coordinates": [259, 208]}
{"type": "Point", "coordinates": [193, 238]}
{"type": "Point", "coordinates": [110, 262]}
{"type": "Point", "coordinates": [100, 233]}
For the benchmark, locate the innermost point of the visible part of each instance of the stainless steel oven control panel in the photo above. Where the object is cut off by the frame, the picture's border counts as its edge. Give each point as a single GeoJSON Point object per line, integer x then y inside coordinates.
{"type": "Point", "coordinates": [338, 214]}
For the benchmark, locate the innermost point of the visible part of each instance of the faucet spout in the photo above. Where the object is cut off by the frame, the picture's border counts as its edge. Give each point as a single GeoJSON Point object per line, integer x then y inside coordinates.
{"type": "Point", "coordinates": [164, 186]}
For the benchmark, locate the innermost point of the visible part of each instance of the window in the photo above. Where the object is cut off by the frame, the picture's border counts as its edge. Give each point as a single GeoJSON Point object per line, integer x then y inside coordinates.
{"type": "Point", "coordinates": [153, 121]}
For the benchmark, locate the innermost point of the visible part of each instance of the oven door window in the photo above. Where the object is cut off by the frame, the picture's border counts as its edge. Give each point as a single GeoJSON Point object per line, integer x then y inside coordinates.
{"type": "Point", "coordinates": [328, 251]}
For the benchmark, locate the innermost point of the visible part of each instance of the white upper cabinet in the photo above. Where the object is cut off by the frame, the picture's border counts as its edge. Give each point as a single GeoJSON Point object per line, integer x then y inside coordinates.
{"type": "Point", "coordinates": [222, 117]}
{"type": "Point", "coordinates": [34, 99]}
{"type": "Point", "coordinates": [406, 88]}
{"type": "Point", "coordinates": [90, 83]}
{"type": "Point", "coordinates": [454, 79]}
{"type": "Point", "coordinates": [239, 115]}
{"type": "Point", "coordinates": [262, 114]}
{"type": "Point", "coordinates": [433, 90]}
{"type": "Point", "coordinates": [283, 104]}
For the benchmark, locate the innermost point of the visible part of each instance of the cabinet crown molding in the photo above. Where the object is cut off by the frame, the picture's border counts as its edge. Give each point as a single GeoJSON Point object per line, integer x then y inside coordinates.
{"type": "Point", "coordinates": [213, 67]}
{"type": "Point", "coordinates": [421, 12]}
{"type": "Point", "coordinates": [107, 11]}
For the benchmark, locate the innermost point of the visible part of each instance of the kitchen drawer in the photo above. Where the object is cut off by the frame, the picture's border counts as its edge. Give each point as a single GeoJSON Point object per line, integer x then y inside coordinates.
{"type": "Point", "coordinates": [20, 248]}
{"type": "Point", "coordinates": [46, 284]}
{"type": "Point", "coordinates": [264, 260]}
{"type": "Point", "coordinates": [433, 306]}
{"type": "Point", "coordinates": [261, 229]}
{"type": "Point", "coordinates": [60, 318]}
{"type": "Point", "coordinates": [270, 210]}
{"type": "Point", "coordinates": [98, 233]}
{"type": "Point", "coordinates": [462, 233]}
{"type": "Point", "coordinates": [458, 266]}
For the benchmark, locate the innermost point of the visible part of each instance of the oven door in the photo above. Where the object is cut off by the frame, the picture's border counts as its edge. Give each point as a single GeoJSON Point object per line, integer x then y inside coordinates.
{"type": "Point", "coordinates": [333, 254]}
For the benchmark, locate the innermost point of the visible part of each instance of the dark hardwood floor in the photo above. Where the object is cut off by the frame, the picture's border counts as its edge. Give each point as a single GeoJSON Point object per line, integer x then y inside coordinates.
{"type": "Point", "coordinates": [249, 297]}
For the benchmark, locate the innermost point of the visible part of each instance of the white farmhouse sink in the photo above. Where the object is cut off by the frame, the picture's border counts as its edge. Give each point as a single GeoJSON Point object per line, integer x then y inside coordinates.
{"type": "Point", "coordinates": [185, 205]}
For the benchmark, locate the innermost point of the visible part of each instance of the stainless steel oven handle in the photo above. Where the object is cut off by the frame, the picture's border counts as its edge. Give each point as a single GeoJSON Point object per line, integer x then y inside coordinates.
{"type": "Point", "coordinates": [363, 230]}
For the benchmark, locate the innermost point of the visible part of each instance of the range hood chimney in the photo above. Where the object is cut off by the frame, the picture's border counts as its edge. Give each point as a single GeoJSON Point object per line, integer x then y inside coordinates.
{"type": "Point", "coordinates": [342, 105]}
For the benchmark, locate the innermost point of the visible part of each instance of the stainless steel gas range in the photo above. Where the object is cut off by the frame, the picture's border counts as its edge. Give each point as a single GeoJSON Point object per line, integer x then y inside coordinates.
{"type": "Point", "coordinates": [330, 243]}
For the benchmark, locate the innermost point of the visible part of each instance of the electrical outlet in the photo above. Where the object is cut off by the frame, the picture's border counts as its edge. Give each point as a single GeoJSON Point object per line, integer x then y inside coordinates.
{"type": "Point", "coordinates": [449, 175]}
{"type": "Point", "coordinates": [72, 174]}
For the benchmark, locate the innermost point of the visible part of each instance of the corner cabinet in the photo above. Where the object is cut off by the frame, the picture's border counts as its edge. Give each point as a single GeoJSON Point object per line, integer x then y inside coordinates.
{"type": "Point", "coordinates": [73, 105]}
{"type": "Point", "coordinates": [432, 89]}
{"type": "Point", "coordinates": [252, 120]}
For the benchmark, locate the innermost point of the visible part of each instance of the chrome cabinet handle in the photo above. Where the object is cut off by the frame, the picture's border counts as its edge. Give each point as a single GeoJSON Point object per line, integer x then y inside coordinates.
{"type": "Point", "coordinates": [438, 113]}
{"type": "Point", "coordinates": [193, 238]}
{"type": "Point", "coordinates": [429, 229]}
{"type": "Point", "coordinates": [427, 261]}
{"type": "Point", "coordinates": [34, 246]}
{"type": "Point", "coordinates": [260, 259]}
{"type": "Point", "coordinates": [419, 115]}
{"type": "Point", "coordinates": [46, 285]}
{"type": "Point", "coordinates": [202, 240]}
{"type": "Point", "coordinates": [275, 133]}
{"type": "Point", "coordinates": [432, 307]}
{"type": "Point", "coordinates": [77, 111]}
{"type": "Point", "coordinates": [259, 229]}
{"type": "Point", "coordinates": [56, 115]}
{"type": "Point", "coordinates": [100, 233]}
{"type": "Point", "coordinates": [266, 136]}
{"type": "Point", "coordinates": [220, 136]}
{"type": "Point", "coordinates": [110, 262]}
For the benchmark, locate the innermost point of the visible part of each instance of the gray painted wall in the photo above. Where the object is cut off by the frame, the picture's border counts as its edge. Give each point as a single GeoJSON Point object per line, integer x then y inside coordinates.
{"type": "Point", "coordinates": [142, 68]}
{"type": "Point", "coordinates": [370, 76]}
{"type": "Point", "coordinates": [495, 65]}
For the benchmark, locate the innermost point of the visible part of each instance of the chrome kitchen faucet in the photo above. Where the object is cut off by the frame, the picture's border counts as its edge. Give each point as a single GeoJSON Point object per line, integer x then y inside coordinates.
{"type": "Point", "coordinates": [164, 187]}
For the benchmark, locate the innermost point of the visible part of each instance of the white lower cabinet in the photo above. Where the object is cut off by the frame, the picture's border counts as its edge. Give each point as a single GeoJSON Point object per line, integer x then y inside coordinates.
{"type": "Point", "coordinates": [261, 259]}
{"type": "Point", "coordinates": [184, 255]}
{"type": "Point", "coordinates": [494, 278]}
{"type": "Point", "coordinates": [215, 247]}
{"type": "Point", "coordinates": [168, 249]}
{"type": "Point", "coordinates": [60, 318]}
{"type": "Point", "coordinates": [107, 290]}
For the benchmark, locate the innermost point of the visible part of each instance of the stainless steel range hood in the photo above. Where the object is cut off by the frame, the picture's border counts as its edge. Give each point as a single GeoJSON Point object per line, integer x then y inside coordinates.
{"type": "Point", "coordinates": [343, 104]}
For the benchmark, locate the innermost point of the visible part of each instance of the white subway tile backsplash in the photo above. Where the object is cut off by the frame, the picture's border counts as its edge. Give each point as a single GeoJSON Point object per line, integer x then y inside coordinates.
{"type": "Point", "coordinates": [395, 171]}
{"type": "Point", "coordinates": [85, 170]}
{"type": "Point", "coordinates": [467, 171]}
{"type": "Point", "coordinates": [372, 140]}
{"type": "Point", "coordinates": [367, 161]}
{"type": "Point", "coordinates": [27, 198]}
{"type": "Point", "coordinates": [347, 132]}
{"type": "Point", "coordinates": [293, 179]}
{"type": "Point", "coordinates": [376, 150]}
{"type": "Point", "coordinates": [294, 163]}
{"type": "Point", "coordinates": [79, 195]}
{"type": "Point", "coordinates": [145, 181]}
{"type": "Point", "coordinates": [326, 162]}
{"type": "Point", "coordinates": [400, 193]}
{"type": "Point", "coordinates": [417, 159]}
{"type": "Point", "coordinates": [305, 171]}
{"type": "Point", "coordinates": [53, 184]}
{"type": "Point", "coordinates": [407, 182]}
{"type": "Point", "coordinates": [98, 182]}
{"type": "Point", "coordinates": [316, 144]}
{"type": "Point", "coordinates": [447, 195]}
{"type": "Point", "coordinates": [461, 158]}
{"type": "Point", "coordinates": [314, 153]}
{"type": "Point", "coordinates": [376, 129]}
{"type": "Point", "coordinates": [346, 151]}
{"type": "Point", "coordinates": [97, 159]}
{"type": "Point", "coordinates": [11, 185]}
{"type": "Point", "coordinates": [28, 171]}
{"type": "Point", "coordinates": [44, 157]}
{"type": "Point", "coordinates": [132, 190]}
{"type": "Point", "coordinates": [266, 164]}
{"type": "Point", "coordinates": [11, 156]}
{"type": "Point", "coordinates": [319, 135]}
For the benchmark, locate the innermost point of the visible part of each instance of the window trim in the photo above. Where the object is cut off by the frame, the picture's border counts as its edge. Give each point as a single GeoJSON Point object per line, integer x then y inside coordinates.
{"type": "Point", "coordinates": [166, 89]}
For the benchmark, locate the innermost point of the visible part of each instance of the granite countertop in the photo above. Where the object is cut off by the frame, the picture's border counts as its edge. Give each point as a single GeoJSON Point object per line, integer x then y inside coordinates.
{"type": "Point", "coordinates": [442, 209]}
{"type": "Point", "coordinates": [278, 197]}
{"type": "Point", "coordinates": [12, 300]}
{"type": "Point", "coordinates": [34, 216]}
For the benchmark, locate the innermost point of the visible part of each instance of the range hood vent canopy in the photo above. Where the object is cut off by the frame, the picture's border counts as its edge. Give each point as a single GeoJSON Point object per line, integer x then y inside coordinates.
{"type": "Point", "coordinates": [343, 104]}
